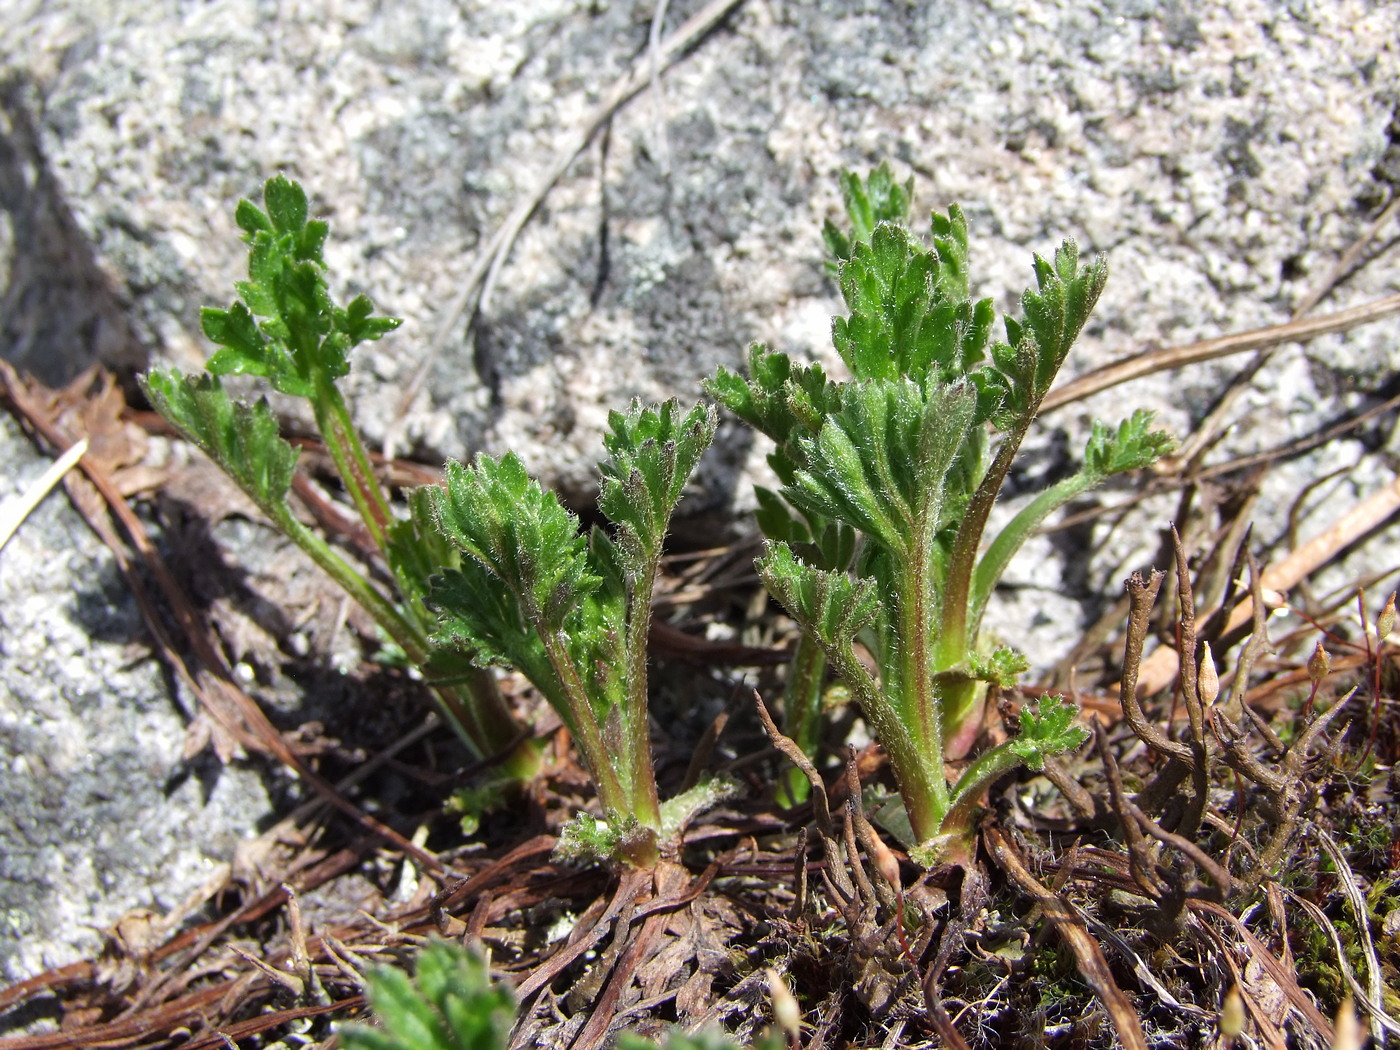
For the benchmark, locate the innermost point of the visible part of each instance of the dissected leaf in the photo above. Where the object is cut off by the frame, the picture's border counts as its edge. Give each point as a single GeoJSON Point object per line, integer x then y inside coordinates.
{"type": "Point", "coordinates": [878, 199]}
{"type": "Point", "coordinates": [450, 1004]}
{"type": "Point", "coordinates": [883, 462]}
{"type": "Point", "coordinates": [495, 512]}
{"type": "Point", "coordinates": [780, 398]}
{"type": "Point", "coordinates": [1003, 666]}
{"type": "Point", "coordinates": [652, 454]}
{"type": "Point", "coordinates": [1047, 729]}
{"type": "Point", "coordinates": [833, 606]}
{"type": "Point", "coordinates": [286, 328]}
{"type": "Point", "coordinates": [243, 439]}
{"type": "Point", "coordinates": [1052, 316]}
{"type": "Point", "coordinates": [1131, 447]}
{"type": "Point", "coordinates": [909, 311]}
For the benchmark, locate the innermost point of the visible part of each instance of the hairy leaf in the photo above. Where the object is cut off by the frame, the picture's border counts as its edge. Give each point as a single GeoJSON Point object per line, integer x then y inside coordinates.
{"type": "Point", "coordinates": [450, 1004]}
{"type": "Point", "coordinates": [652, 453]}
{"type": "Point", "coordinates": [781, 399]}
{"type": "Point", "coordinates": [882, 463]}
{"type": "Point", "coordinates": [878, 199]}
{"type": "Point", "coordinates": [286, 328]}
{"type": "Point", "coordinates": [1133, 446]}
{"type": "Point", "coordinates": [1046, 730]}
{"type": "Point", "coordinates": [243, 439]}
{"type": "Point", "coordinates": [831, 605]}
{"type": "Point", "coordinates": [498, 514]}
{"type": "Point", "coordinates": [1004, 666]}
{"type": "Point", "coordinates": [1053, 315]}
{"type": "Point", "coordinates": [909, 311]}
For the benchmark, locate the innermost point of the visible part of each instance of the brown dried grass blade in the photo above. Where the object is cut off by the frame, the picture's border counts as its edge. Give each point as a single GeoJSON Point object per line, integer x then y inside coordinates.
{"type": "Point", "coordinates": [1166, 358]}
{"type": "Point", "coordinates": [1281, 974]}
{"type": "Point", "coordinates": [1088, 956]}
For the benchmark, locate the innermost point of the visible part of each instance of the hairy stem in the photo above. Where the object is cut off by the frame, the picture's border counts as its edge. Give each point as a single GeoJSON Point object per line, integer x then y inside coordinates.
{"type": "Point", "coordinates": [803, 713]}
{"type": "Point", "coordinates": [583, 722]}
{"type": "Point", "coordinates": [352, 462]}
{"type": "Point", "coordinates": [641, 786]}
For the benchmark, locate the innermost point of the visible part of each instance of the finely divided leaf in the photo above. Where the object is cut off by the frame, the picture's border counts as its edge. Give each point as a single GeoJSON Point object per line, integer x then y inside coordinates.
{"type": "Point", "coordinates": [879, 199]}
{"type": "Point", "coordinates": [1133, 446]}
{"type": "Point", "coordinates": [451, 1004]}
{"type": "Point", "coordinates": [417, 550]}
{"type": "Point", "coordinates": [882, 464]}
{"type": "Point", "coordinates": [286, 327]}
{"type": "Point", "coordinates": [479, 616]}
{"type": "Point", "coordinates": [1003, 665]}
{"type": "Point", "coordinates": [1047, 730]}
{"type": "Point", "coordinates": [830, 605]}
{"type": "Point", "coordinates": [652, 453]}
{"type": "Point", "coordinates": [495, 512]}
{"type": "Point", "coordinates": [1053, 316]}
{"type": "Point", "coordinates": [909, 310]}
{"type": "Point", "coordinates": [242, 439]}
{"type": "Point", "coordinates": [949, 235]}
{"type": "Point", "coordinates": [780, 399]}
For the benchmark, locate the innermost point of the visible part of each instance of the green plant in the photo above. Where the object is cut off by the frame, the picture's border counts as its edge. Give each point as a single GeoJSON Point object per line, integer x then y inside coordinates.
{"type": "Point", "coordinates": [572, 611]}
{"type": "Point", "coordinates": [286, 329]}
{"type": "Point", "coordinates": [888, 482]}
{"type": "Point", "coordinates": [451, 1004]}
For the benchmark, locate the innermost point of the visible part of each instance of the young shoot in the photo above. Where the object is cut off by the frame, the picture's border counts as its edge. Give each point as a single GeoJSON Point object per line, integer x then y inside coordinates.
{"type": "Point", "coordinates": [286, 329]}
{"type": "Point", "coordinates": [876, 542]}
{"type": "Point", "coordinates": [571, 611]}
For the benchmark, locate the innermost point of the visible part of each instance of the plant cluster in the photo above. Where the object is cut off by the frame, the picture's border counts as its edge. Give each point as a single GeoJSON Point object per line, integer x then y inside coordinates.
{"type": "Point", "coordinates": [286, 328]}
{"type": "Point", "coordinates": [875, 538]}
{"type": "Point", "coordinates": [889, 477]}
{"type": "Point", "coordinates": [879, 548]}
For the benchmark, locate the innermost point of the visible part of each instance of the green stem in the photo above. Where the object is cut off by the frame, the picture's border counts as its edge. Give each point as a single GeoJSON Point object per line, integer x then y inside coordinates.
{"type": "Point", "coordinates": [976, 779]}
{"type": "Point", "coordinates": [961, 697]}
{"type": "Point", "coordinates": [925, 797]}
{"type": "Point", "coordinates": [583, 723]}
{"type": "Point", "coordinates": [1011, 538]}
{"type": "Point", "coordinates": [954, 627]}
{"type": "Point", "coordinates": [646, 805]}
{"type": "Point", "coordinates": [486, 723]}
{"type": "Point", "coordinates": [803, 714]}
{"type": "Point", "coordinates": [920, 772]}
{"type": "Point", "coordinates": [478, 712]}
{"type": "Point", "coordinates": [352, 462]}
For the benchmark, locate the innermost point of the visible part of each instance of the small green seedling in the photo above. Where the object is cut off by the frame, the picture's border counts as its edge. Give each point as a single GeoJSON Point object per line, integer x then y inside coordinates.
{"type": "Point", "coordinates": [888, 481]}
{"type": "Point", "coordinates": [572, 611]}
{"type": "Point", "coordinates": [451, 1003]}
{"type": "Point", "coordinates": [286, 329]}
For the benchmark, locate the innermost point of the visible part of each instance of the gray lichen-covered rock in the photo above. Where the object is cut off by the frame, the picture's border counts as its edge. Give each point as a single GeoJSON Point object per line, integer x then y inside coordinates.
{"type": "Point", "coordinates": [1224, 156]}
{"type": "Point", "coordinates": [99, 815]}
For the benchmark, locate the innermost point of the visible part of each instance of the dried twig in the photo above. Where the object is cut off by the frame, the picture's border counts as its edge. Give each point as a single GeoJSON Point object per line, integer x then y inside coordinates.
{"type": "Point", "coordinates": [1153, 361]}
{"type": "Point", "coordinates": [1141, 597]}
{"type": "Point", "coordinates": [476, 288]}
{"type": "Point", "coordinates": [1159, 668]}
{"type": "Point", "coordinates": [1283, 976]}
{"type": "Point", "coordinates": [1374, 1001]}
